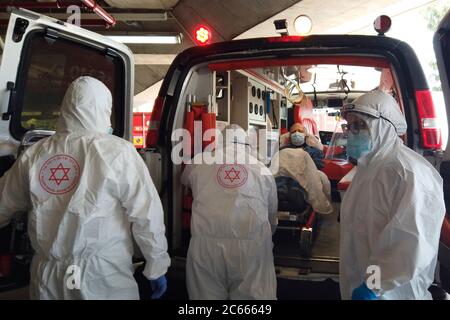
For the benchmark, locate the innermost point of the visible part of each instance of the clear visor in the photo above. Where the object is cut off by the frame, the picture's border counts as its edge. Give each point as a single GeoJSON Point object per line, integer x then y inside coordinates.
{"type": "Point", "coordinates": [336, 150]}
{"type": "Point", "coordinates": [355, 124]}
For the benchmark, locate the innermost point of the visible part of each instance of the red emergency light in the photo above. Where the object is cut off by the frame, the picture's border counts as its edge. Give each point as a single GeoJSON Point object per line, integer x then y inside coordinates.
{"type": "Point", "coordinates": [202, 35]}
{"type": "Point", "coordinates": [382, 24]}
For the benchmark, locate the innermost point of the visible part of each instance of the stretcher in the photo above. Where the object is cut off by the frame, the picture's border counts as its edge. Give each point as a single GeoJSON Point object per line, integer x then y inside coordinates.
{"type": "Point", "coordinates": [297, 221]}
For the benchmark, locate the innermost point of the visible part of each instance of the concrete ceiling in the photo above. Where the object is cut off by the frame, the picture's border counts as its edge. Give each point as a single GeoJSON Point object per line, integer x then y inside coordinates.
{"type": "Point", "coordinates": [220, 16]}
{"type": "Point", "coordinates": [226, 19]}
{"type": "Point", "coordinates": [334, 16]}
{"type": "Point", "coordinates": [147, 75]}
{"type": "Point", "coordinates": [229, 18]}
{"type": "Point", "coordinates": [142, 4]}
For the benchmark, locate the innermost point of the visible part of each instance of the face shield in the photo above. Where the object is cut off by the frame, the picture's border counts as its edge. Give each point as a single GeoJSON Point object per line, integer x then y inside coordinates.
{"type": "Point", "coordinates": [374, 120]}
{"type": "Point", "coordinates": [335, 148]}
{"type": "Point", "coordinates": [359, 140]}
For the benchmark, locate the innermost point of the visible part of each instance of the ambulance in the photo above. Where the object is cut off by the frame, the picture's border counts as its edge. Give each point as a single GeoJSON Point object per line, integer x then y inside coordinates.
{"type": "Point", "coordinates": [265, 84]}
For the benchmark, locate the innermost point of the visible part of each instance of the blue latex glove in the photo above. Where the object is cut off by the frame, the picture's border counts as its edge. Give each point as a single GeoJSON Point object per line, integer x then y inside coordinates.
{"type": "Point", "coordinates": [159, 286]}
{"type": "Point", "coordinates": [363, 293]}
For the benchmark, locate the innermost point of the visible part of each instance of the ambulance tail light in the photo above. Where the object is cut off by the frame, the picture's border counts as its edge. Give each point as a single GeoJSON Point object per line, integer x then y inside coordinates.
{"type": "Point", "coordinates": [430, 130]}
{"type": "Point", "coordinates": [155, 123]}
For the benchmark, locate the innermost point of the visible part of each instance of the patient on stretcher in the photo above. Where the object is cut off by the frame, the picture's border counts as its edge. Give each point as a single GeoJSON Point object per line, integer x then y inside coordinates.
{"type": "Point", "coordinates": [296, 164]}
{"type": "Point", "coordinates": [299, 137]}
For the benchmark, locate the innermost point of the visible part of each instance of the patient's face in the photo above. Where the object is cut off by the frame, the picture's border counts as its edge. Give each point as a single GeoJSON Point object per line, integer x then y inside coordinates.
{"type": "Point", "coordinates": [297, 128]}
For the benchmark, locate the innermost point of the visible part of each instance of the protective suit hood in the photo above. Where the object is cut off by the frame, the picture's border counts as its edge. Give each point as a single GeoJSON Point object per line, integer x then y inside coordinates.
{"type": "Point", "coordinates": [384, 120]}
{"type": "Point", "coordinates": [233, 134]}
{"type": "Point", "coordinates": [86, 107]}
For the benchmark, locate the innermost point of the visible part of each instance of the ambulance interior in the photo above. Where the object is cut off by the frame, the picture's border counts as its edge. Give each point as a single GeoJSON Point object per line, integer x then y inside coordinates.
{"type": "Point", "coordinates": [272, 95]}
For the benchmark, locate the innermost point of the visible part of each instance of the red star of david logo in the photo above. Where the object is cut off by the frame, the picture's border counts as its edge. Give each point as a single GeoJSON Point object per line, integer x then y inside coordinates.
{"type": "Point", "coordinates": [232, 175]}
{"type": "Point", "coordinates": [59, 178]}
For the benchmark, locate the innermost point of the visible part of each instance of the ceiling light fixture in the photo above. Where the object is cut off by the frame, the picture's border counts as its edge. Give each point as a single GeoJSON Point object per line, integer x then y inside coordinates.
{"type": "Point", "coordinates": [303, 25]}
{"type": "Point", "coordinates": [147, 39]}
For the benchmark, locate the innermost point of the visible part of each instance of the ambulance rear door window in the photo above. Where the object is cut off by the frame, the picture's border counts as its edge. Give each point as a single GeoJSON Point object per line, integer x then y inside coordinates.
{"type": "Point", "coordinates": [48, 68]}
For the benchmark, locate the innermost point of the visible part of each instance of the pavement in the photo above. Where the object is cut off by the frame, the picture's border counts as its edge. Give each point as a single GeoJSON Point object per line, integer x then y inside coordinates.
{"type": "Point", "coordinates": [287, 289]}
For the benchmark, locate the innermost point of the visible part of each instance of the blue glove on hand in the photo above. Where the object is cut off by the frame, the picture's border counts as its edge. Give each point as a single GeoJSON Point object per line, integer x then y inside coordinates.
{"type": "Point", "coordinates": [363, 293]}
{"type": "Point", "coordinates": [159, 286]}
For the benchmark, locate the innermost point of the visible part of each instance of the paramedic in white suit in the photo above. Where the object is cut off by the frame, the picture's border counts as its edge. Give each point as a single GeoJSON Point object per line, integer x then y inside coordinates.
{"type": "Point", "coordinates": [233, 218]}
{"type": "Point", "coordinates": [86, 193]}
{"type": "Point", "coordinates": [391, 215]}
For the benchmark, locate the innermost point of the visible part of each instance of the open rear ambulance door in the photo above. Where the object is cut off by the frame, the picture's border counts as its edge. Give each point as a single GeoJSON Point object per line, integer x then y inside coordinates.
{"type": "Point", "coordinates": [441, 43]}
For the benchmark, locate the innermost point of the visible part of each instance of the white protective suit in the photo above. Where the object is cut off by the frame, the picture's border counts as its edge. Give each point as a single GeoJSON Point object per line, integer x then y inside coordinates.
{"type": "Point", "coordinates": [86, 193]}
{"type": "Point", "coordinates": [297, 164]}
{"type": "Point", "coordinates": [392, 213]}
{"type": "Point", "coordinates": [233, 216]}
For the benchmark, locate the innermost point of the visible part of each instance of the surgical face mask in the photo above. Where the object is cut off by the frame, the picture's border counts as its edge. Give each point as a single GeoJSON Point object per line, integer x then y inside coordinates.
{"type": "Point", "coordinates": [297, 138]}
{"type": "Point", "coordinates": [359, 144]}
{"type": "Point", "coordinates": [110, 130]}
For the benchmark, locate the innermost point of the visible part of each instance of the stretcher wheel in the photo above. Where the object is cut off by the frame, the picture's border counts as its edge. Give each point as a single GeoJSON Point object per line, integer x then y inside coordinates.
{"type": "Point", "coordinates": [306, 239]}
